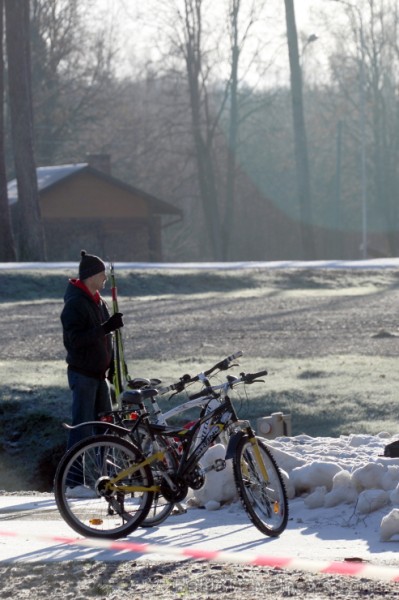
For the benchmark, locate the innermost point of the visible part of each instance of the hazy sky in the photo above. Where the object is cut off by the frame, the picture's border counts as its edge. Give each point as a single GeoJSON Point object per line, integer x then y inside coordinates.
{"type": "Point", "coordinates": [137, 31]}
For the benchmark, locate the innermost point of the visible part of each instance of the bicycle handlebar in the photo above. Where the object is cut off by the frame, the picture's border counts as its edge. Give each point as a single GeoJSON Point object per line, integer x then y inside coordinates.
{"type": "Point", "coordinates": [211, 390]}
{"type": "Point", "coordinates": [252, 377]}
{"type": "Point", "coordinates": [224, 364]}
{"type": "Point", "coordinates": [180, 385]}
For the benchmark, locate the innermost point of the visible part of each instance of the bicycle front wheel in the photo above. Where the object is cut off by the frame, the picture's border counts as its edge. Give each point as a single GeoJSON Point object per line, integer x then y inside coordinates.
{"type": "Point", "coordinates": [261, 487]}
{"type": "Point", "coordinates": [84, 487]}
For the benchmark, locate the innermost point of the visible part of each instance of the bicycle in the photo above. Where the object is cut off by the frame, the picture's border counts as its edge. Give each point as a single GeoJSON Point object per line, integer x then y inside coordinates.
{"type": "Point", "coordinates": [121, 481]}
{"type": "Point", "coordinates": [128, 417]}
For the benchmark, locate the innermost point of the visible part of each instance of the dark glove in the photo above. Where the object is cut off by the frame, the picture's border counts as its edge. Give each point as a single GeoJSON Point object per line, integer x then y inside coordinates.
{"type": "Point", "coordinates": [114, 322]}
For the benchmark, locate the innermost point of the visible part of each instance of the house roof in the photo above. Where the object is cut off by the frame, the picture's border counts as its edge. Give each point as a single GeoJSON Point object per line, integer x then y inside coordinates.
{"type": "Point", "coordinates": [49, 177]}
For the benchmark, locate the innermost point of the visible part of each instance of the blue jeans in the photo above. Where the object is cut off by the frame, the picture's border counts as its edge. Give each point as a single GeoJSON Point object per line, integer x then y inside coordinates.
{"type": "Point", "coordinates": [90, 397]}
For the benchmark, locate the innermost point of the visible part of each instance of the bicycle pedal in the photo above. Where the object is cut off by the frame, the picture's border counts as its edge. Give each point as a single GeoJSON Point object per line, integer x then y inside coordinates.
{"type": "Point", "coordinates": [179, 509]}
{"type": "Point", "coordinates": [217, 466]}
{"type": "Point", "coordinates": [220, 464]}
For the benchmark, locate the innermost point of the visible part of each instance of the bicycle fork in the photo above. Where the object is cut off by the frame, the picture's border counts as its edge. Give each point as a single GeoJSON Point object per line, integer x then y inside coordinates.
{"type": "Point", "coordinates": [258, 466]}
{"type": "Point", "coordinates": [258, 458]}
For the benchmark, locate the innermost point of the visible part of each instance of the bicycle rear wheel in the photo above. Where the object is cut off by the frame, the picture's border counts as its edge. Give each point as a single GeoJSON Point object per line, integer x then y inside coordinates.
{"type": "Point", "coordinates": [81, 492]}
{"type": "Point", "coordinates": [264, 496]}
{"type": "Point", "coordinates": [160, 508]}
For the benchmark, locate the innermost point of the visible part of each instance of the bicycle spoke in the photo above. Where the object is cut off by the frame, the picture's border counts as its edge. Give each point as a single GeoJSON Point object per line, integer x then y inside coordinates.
{"type": "Point", "coordinates": [84, 493]}
{"type": "Point", "coordinates": [264, 498]}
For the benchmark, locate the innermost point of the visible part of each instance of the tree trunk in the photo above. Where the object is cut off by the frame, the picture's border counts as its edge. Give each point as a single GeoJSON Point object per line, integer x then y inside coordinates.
{"type": "Point", "coordinates": [31, 242]}
{"type": "Point", "coordinates": [300, 140]}
{"type": "Point", "coordinates": [228, 222]}
{"type": "Point", "coordinates": [201, 131]}
{"type": "Point", "coordinates": [7, 246]}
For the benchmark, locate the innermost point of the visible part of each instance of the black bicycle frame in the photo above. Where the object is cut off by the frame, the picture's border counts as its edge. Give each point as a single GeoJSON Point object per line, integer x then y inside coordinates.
{"type": "Point", "coordinates": [189, 461]}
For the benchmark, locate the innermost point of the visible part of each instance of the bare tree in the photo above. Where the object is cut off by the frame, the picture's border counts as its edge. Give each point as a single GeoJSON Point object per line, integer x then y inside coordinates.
{"type": "Point", "coordinates": [31, 242]}
{"type": "Point", "coordinates": [7, 246]}
{"type": "Point", "coordinates": [300, 138]}
{"type": "Point", "coordinates": [203, 126]}
{"type": "Point", "coordinates": [71, 73]}
{"type": "Point", "coordinates": [365, 65]}
{"type": "Point", "coordinates": [239, 32]}
{"type": "Point", "coordinates": [228, 220]}
{"type": "Point", "coordinates": [213, 104]}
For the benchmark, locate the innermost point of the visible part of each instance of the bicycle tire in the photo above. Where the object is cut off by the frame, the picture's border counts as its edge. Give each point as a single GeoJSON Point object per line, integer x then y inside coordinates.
{"type": "Point", "coordinates": [160, 508]}
{"type": "Point", "coordinates": [265, 500]}
{"type": "Point", "coordinates": [89, 464]}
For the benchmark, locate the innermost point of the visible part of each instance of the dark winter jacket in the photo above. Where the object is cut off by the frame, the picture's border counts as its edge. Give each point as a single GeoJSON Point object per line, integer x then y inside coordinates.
{"type": "Point", "coordinates": [89, 350]}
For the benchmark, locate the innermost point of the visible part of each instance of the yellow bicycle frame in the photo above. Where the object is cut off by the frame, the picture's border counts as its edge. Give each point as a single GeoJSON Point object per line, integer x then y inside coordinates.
{"type": "Point", "coordinates": [111, 487]}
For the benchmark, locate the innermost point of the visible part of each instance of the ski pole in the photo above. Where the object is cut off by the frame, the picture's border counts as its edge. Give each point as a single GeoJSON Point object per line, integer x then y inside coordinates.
{"type": "Point", "coordinates": [120, 368]}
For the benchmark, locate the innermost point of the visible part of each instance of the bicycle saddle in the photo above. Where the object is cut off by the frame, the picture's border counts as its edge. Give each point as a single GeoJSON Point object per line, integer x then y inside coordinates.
{"type": "Point", "coordinates": [137, 383]}
{"type": "Point", "coordinates": [130, 397]}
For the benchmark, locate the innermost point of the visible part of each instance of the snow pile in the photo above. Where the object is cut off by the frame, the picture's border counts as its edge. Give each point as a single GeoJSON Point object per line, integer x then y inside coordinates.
{"type": "Point", "coordinates": [325, 472]}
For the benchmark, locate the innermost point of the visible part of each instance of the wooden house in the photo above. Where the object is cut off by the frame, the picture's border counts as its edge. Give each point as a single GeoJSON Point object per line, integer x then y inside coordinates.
{"type": "Point", "coordinates": [84, 206]}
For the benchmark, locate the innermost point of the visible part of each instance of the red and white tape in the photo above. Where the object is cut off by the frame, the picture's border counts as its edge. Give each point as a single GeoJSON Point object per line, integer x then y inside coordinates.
{"type": "Point", "coordinates": [353, 568]}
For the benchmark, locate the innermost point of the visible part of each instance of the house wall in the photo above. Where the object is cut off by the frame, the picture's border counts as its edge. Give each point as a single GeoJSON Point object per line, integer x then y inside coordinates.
{"type": "Point", "coordinates": [91, 213]}
{"type": "Point", "coordinates": [117, 240]}
{"type": "Point", "coordinates": [86, 197]}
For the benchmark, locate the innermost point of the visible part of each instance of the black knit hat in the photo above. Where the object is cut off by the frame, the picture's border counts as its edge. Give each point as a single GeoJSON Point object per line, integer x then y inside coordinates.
{"type": "Point", "coordinates": [90, 265]}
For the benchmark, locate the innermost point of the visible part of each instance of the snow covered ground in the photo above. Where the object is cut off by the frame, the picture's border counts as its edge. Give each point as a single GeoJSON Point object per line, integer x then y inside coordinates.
{"type": "Point", "coordinates": [376, 263]}
{"type": "Point", "coordinates": [344, 504]}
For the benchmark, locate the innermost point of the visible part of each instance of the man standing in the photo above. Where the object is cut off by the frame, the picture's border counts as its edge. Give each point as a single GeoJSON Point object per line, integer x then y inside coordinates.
{"type": "Point", "coordinates": [87, 326]}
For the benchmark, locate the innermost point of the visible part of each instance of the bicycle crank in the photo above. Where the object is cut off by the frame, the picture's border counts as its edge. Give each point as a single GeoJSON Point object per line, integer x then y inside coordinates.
{"type": "Point", "coordinates": [178, 493]}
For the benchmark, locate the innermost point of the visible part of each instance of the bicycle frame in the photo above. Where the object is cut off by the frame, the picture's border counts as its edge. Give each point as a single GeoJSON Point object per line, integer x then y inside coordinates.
{"type": "Point", "coordinates": [186, 462]}
{"type": "Point", "coordinates": [224, 416]}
